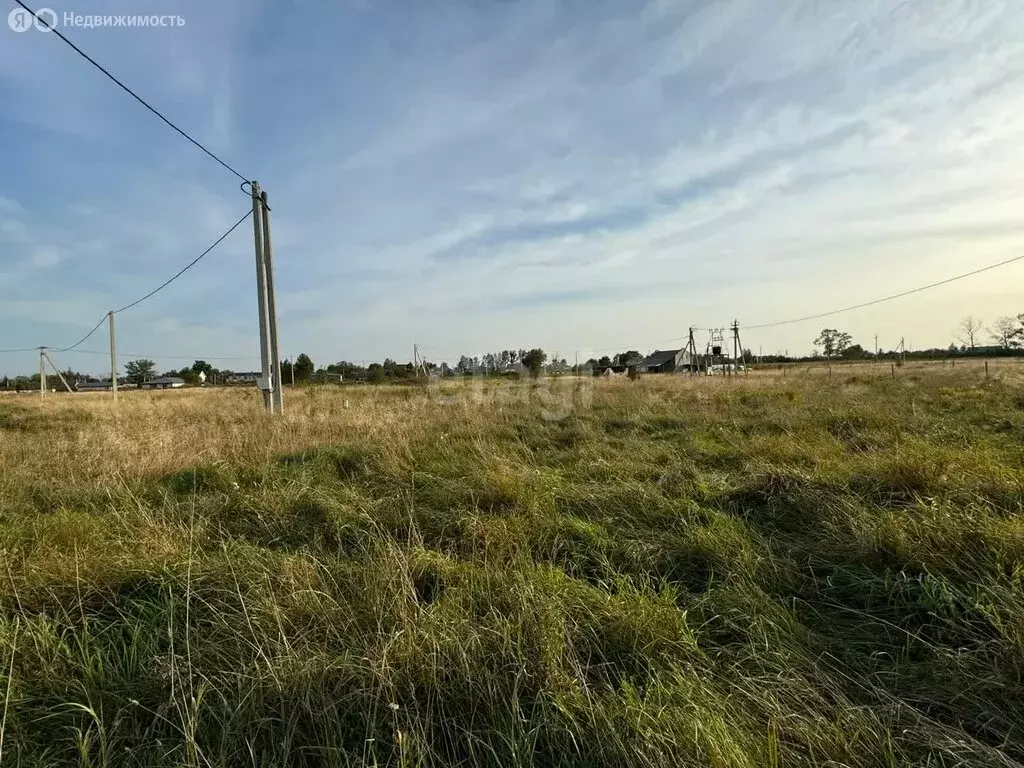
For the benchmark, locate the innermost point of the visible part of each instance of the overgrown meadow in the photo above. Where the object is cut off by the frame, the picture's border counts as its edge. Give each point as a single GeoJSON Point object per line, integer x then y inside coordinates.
{"type": "Point", "coordinates": [798, 570]}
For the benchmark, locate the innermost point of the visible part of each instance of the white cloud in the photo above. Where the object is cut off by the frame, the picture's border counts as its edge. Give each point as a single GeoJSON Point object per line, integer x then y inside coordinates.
{"type": "Point", "coordinates": [525, 173]}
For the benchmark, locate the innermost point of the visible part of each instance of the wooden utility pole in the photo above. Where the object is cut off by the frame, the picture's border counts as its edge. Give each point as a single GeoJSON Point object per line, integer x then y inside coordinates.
{"type": "Point", "coordinates": [277, 395]}
{"type": "Point", "coordinates": [113, 356]}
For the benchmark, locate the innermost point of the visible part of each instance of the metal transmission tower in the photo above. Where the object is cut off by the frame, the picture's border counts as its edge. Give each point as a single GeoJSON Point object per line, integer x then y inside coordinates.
{"type": "Point", "coordinates": [270, 383]}
{"type": "Point", "coordinates": [716, 344]}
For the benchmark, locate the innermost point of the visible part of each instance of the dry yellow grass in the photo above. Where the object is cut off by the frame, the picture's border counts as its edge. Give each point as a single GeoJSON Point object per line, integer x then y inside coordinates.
{"type": "Point", "coordinates": [764, 570]}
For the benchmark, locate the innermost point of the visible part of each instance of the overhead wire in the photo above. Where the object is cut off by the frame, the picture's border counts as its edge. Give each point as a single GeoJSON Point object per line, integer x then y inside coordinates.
{"type": "Point", "coordinates": [888, 298]}
{"type": "Point", "coordinates": [130, 92]}
{"type": "Point", "coordinates": [188, 266]}
{"type": "Point", "coordinates": [850, 308]}
{"type": "Point", "coordinates": [163, 357]}
{"type": "Point", "coordinates": [152, 293]}
{"type": "Point", "coordinates": [83, 339]}
{"type": "Point", "coordinates": [171, 125]}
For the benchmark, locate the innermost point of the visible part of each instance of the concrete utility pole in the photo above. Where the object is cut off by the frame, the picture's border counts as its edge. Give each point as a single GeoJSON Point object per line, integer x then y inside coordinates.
{"type": "Point", "coordinates": [275, 352]}
{"type": "Point", "coordinates": [737, 348]}
{"type": "Point", "coordinates": [266, 382]}
{"type": "Point", "coordinates": [113, 356]}
{"type": "Point", "coordinates": [56, 371]}
{"type": "Point", "coordinates": [735, 343]}
{"type": "Point", "coordinates": [691, 348]}
{"type": "Point", "coordinates": [42, 373]}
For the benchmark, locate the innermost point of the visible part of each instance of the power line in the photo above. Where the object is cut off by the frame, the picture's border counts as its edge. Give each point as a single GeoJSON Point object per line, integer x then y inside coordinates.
{"type": "Point", "coordinates": [130, 92]}
{"type": "Point", "coordinates": [82, 340]}
{"type": "Point", "coordinates": [862, 305]}
{"type": "Point", "coordinates": [889, 298]}
{"type": "Point", "coordinates": [13, 351]}
{"type": "Point", "coordinates": [161, 357]}
{"type": "Point", "coordinates": [187, 267]}
{"type": "Point", "coordinates": [156, 290]}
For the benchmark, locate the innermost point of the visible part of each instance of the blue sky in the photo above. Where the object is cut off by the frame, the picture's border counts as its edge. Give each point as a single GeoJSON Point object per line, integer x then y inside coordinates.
{"type": "Point", "coordinates": [481, 174]}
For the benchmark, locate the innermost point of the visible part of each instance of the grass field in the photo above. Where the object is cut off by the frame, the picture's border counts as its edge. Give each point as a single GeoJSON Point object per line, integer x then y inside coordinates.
{"type": "Point", "coordinates": [775, 570]}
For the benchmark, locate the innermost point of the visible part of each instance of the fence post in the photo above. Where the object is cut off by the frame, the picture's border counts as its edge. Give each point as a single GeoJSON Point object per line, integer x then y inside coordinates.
{"type": "Point", "coordinates": [893, 366]}
{"type": "Point", "coordinates": [986, 370]}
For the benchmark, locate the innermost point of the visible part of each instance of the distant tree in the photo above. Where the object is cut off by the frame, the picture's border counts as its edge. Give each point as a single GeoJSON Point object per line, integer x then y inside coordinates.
{"type": "Point", "coordinates": [465, 366]}
{"type": "Point", "coordinates": [604, 362]}
{"type": "Point", "coordinates": [303, 367]}
{"type": "Point", "coordinates": [201, 366]}
{"type": "Point", "coordinates": [854, 352]}
{"type": "Point", "coordinates": [375, 372]}
{"type": "Point", "coordinates": [1006, 331]}
{"type": "Point", "coordinates": [286, 371]}
{"type": "Point", "coordinates": [347, 370]}
{"type": "Point", "coordinates": [833, 342]}
{"type": "Point", "coordinates": [627, 358]}
{"type": "Point", "coordinates": [534, 360]}
{"type": "Point", "coordinates": [970, 330]}
{"type": "Point", "coordinates": [138, 371]}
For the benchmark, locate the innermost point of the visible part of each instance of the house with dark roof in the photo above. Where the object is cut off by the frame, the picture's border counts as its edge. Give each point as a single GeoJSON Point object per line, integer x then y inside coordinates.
{"type": "Point", "coordinates": [93, 386]}
{"type": "Point", "coordinates": [245, 377]}
{"type": "Point", "coordinates": [164, 382]}
{"type": "Point", "coordinates": [665, 361]}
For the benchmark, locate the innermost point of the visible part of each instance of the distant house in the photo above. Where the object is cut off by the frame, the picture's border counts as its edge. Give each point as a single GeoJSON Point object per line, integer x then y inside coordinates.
{"type": "Point", "coordinates": [323, 377]}
{"type": "Point", "coordinates": [665, 361]}
{"type": "Point", "coordinates": [164, 382]}
{"type": "Point", "coordinates": [94, 386]}
{"type": "Point", "coordinates": [724, 368]}
{"type": "Point", "coordinates": [247, 377]}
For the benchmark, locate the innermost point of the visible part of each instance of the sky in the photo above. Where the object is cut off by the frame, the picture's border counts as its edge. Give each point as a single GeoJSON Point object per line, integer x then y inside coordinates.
{"type": "Point", "coordinates": [586, 176]}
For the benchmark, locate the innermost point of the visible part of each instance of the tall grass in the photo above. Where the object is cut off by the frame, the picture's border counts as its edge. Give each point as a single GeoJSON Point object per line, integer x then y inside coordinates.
{"type": "Point", "coordinates": [768, 571]}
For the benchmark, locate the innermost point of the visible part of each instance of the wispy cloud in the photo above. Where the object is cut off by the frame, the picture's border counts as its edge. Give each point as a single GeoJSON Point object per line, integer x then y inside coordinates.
{"type": "Point", "coordinates": [470, 176]}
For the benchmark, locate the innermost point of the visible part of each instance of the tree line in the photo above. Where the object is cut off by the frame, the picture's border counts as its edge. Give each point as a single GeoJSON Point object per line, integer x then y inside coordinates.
{"type": "Point", "coordinates": [1005, 333]}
